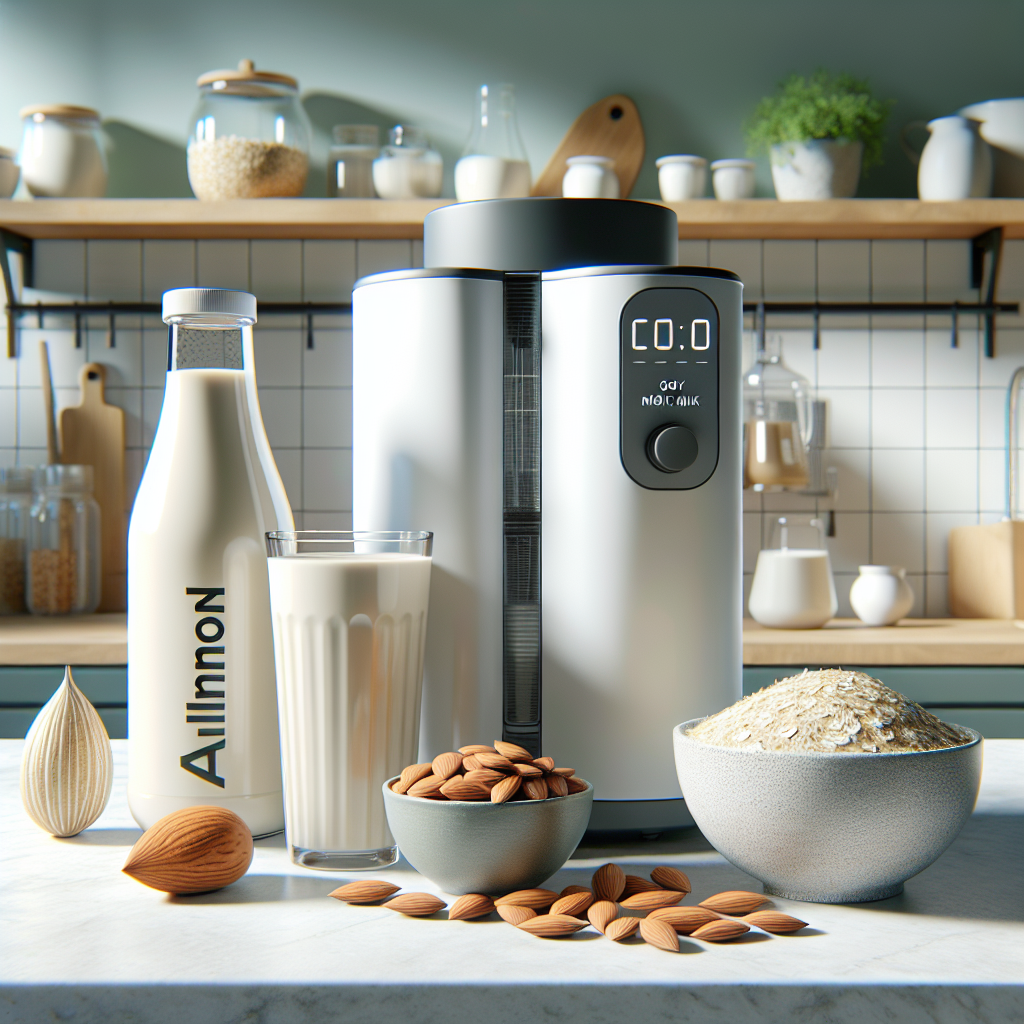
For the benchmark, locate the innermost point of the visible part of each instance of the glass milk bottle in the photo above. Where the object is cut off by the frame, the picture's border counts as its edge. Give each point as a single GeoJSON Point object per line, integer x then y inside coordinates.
{"type": "Point", "coordinates": [494, 164]}
{"type": "Point", "coordinates": [202, 708]}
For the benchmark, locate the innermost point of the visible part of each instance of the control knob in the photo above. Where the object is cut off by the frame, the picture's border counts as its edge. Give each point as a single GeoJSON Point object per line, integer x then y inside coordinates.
{"type": "Point", "coordinates": [671, 448]}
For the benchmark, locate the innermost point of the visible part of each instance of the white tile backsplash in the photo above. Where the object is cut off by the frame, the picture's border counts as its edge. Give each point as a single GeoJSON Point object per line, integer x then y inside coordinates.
{"type": "Point", "coordinates": [897, 418]}
{"type": "Point", "coordinates": [743, 258]}
{"type": "Point", "coordinates": [951, 418]}
{"type": "Point", "coordinates": [282, 416]}
{"type": "Point", "coordinates": [897, 480]}
{"type": "Point", "coordinates": [844, 359]}
{"type": "Point", "coordinates": [952, 480]}
{"type": "Point", "coordinates": [113, 270]}
{"type": "Point", "coordinates": [327, 418]}
{"type": "Point", "coordinates": [275, 268]}
{"type": "Point", "coordinates": [377, 255]}
{"type": "Point", "coordinates": [167, 263]}
{"type": "Point", "coordinates": [897, 538]}
{"type": "Point", "coordinates": [693, 252]}
{"type": "Point", "coordinates": [897, 358]}
{"type": "Point", "coordinates": [946, 366]}
{"type": "Point", "coordinates": [328, 270]}
{"type": "Point", "coordinates": [60, 266]}
{"type": "Point", "coordinates": [222, 263]}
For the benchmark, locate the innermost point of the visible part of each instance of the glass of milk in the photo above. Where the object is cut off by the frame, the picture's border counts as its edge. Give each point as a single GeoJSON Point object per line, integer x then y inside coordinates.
{"type": "Point", "coordinates": [349, 612]}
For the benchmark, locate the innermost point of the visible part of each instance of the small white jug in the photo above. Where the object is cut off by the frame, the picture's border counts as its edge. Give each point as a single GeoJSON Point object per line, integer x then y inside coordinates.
{"type": "Point", "coordinates": [881, 595]}
{"type": "Point", "coordinates": [956, 162]}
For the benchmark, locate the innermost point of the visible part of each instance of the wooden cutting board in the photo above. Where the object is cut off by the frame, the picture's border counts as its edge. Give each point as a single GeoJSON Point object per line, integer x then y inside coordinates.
{"type": "Point", "coordinates": [92, 434]}
{"type": "Point", "coordinates": [611, 127]}
{"type": "Point", "coordinates": [986, 570]}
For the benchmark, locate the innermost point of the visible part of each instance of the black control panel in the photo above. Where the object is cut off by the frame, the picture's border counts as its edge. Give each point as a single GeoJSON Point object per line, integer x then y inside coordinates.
{"type": "Point", "coordinates": [668, 412]}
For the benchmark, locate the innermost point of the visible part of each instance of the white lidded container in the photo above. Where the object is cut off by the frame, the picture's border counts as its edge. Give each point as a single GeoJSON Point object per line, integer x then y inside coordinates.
{"type": "Point", "coordinates": [62, 153]}
{"type": "Point", "coordinates": [202, 707]}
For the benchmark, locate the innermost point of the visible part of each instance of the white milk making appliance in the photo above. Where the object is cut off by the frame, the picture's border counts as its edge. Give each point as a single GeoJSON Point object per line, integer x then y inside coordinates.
{"type": "Point", "coordinates": [561, 406]}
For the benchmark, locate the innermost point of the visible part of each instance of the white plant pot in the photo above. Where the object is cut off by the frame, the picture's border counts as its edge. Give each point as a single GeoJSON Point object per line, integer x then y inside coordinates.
{"type": "Point", "coordinates": [881, 595]}
{"type": "Point", "coordinates": [817, 169]}
{"type": "Point", "coordinates": [956, 162]}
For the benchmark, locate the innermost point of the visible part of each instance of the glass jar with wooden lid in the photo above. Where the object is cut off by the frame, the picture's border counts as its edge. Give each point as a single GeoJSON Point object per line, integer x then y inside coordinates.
{"type": "Point", "coordinates": [250, 136]}
{"type": "Point", "coordinates": [62, 153]}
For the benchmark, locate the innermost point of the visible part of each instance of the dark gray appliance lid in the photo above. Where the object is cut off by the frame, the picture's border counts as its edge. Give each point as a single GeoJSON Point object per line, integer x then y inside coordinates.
{"type": "Point", "coordinates": [550, 234]}
{"type": "Point", "coordinates": [643, 271]}
{"type": "Point", "coordinates": [403, 275]}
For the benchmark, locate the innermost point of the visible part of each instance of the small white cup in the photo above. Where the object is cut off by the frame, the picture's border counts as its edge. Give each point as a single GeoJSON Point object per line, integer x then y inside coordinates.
{"type": "Point", "coordinates": [682, 177]}
{"type": "Point", "coordinates": [590, 177]}
{"type": "Point", "coordinates": [733, 179]}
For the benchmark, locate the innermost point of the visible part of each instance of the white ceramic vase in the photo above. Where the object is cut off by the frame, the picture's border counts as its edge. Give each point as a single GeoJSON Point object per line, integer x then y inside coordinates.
{"type": "Point", "coordinates": [881, 595]}
{"type": "Point", "coordinates": [682, 177]}
{"type": "Point", "coordinates": [956, 162]}
{"type": "Point", "coordinates": [816, 169]}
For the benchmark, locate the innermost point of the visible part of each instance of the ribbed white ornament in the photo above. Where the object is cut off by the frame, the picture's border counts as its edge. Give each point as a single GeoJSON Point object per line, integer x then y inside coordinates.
{"type": "Point", "coordinates": [67, 768]}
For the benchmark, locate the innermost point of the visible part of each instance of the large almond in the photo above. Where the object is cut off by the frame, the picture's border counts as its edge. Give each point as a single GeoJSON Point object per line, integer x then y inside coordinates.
{"type": "Point", "coordinates": [512, 751]}
{"type": "Point", "coordinates": [671, 878]}
{"type": "Point", "coordinates": [459, 788]}
{"type": "Point", "coordinates": [484, 775]}
{"type": "Point", "coordinates": [446, 765]}
{"type": "Point", "coordinates": [528, 770]}
{"type": "Point", "coordinates": [652, 899]}
{"type": "Point", "coordinates": [411, 775]}
{"type": "Point", "coordinates": [775, 922]}
{"type": "Point", "coordinates": [365, 891]}
{"type": "Point", "coordinates": [545, 763]}
{"type": "Point", "coordinates": [684, 919]}
{"type": "Point", "coordinates": [570, 889]}
{"type": "Point", "coordinates": [608, 882]}
{"type": "Point", "coordinates": [470, 763]}
{"type": "Point", "coordinates": [415, 904]}
{"type": "Point", "coordinates": [535, 789]}
{"type": "Point", "coordinates": [506, 789]}
{"type": "Point", "coordinates": [497, 762]}
{"type": "Point", "coordinates": [621, 928]}
{"type": "Point", "coordinates": [557, 786]}
{"type": "Point", "coordinates": [575, 785]}
{"type": "Point", "coordinates": [574, 904]}
{"type": "Point", "coordinates": [564, 772]}
{"type": "Point", "coordinates": [470, 906]}
{"type": "Point", "coordinates": [430, 787]}
{"type": "Point", "coordinates": [635, 884]}
{"type": "Point", "coordinates": [660, 934]}
{"type": "Point", "coordinates": [735, 901]}
{"type": "Point", "coordinates": [195, 849]}
{"type": "Point", "coordinates": [722, 930]}
{"type": "Point", "coordinates": [552, 926]}
{"type": "Point", "coordinates": [476, 748]}
{"type": "Point", "coordinates": [602, 913]}
{"type": "Point", "coordinates": [515, 914]}
{"type": "Point", "coordinates": [535, 898]}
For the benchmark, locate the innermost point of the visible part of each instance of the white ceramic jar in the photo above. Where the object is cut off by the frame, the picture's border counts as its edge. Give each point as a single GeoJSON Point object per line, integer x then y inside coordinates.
{"type": "Point", "coordinates": [62, 152]}
{"type": "Point", "coordinates": [682, 177]}
{"type": "Point", "coordinates": [816, 169]}
{"type": "Point", "coordinates": [733, 179]}
{"type": "Point", "coordinates": [881, 595]}
{"type": "Point", "coordinates": [590, 177]}
{"type": "Point", "coordinates": [956, 162]}
{"type": "Point", "coordinates": [408, 167]}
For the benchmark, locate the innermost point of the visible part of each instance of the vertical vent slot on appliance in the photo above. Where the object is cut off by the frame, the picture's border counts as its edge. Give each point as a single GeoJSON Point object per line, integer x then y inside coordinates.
{"type": "Point", "coordinates": [521, 512]}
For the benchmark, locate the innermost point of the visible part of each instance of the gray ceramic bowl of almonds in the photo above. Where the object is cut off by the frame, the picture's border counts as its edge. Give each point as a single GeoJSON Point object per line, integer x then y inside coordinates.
{"type": "Point", "coordinates": [828, 827]}
{"type": "Point", "coordinates": [476, 846]}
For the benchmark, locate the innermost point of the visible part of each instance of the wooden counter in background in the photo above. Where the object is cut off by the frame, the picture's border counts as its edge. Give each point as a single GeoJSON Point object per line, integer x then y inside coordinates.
{"type": "Point", "coordinates": [69, 640]}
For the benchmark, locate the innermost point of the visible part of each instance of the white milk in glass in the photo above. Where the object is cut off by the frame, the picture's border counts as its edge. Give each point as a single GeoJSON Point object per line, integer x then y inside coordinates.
{"type": "Point", "coordinates": [349, 632]}
{"type": "Point", "coordinates": [202, 708]}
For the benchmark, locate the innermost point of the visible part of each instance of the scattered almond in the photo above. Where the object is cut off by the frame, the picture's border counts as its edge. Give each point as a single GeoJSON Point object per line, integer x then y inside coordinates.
{"type": "Point", "coordinates": [671, 878]}
{"type": "Point", "coordinates": [535, 898]}
{"type": "Point", "coordinates": [608, 882]}
{"type": "Point", "coordinates": [621, 928]}
{"type": "Point", "coordinates": [460, 788]}
{"type": "Point", "coordinates": [660, 934]}
{"type": "Point", "coordinates": [775, 922]}
{"type": "Point", "coordinates": [573, 905]}
{"type": "Point", "coordinates": [735, 901]}
{"type": "Point", "coordinates": [652, 899]}
{"type": "Point", "coordinates": [430, 787]}
{"type": "Point", "coordinates": [570, 889]}
{"type": "Point", "coordinates": [635, 884]}
{"type": "Point", "coordinates": [684, 919]}
{"type": "Point", "coordinates": [512, 751]}
{"type": "Point", "coordinates": [506, 789]}
{"type": "Point", "coordinates": [476, 748]}
{"type": "Point", "coordinates": [552, 926]}
{"type": "Point", "coordinates": [557, 786]}
{"type": "Point", "coordinates": [415, 904]}
{"type": "Point", "coordinates": [412, 774]}
{"type": "Point", "coordinates": [535, 789]}
{"type": "Point", "coordinates": [529, 771]}
{"type": "Point", "coordinates": [365, 891]}
{"type": "Point", "coordinates": [722, 930]}
{"type": "Point", "coordinates": [602, 913]}
{"type": "Point", "coordinates": [545, 763]}
{"type": "Point", "coordinates": [564, 772]}
{"type": "Point", "coordinates": [575, 786]}
{"type": "Point", "coordinates": [470, 906]}
{"type": "Point", "coordinates": [515, 914]}
{"type": "Point", "coordinates": [446, 765]}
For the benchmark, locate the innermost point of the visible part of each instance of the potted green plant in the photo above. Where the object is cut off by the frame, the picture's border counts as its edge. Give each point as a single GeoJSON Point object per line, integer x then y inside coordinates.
{"type": "Point", "coordinates": [819, 131]}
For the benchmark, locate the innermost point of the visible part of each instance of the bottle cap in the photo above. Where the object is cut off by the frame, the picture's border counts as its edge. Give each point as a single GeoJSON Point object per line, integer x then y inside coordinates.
{"type": "Point", "coordinates": [180, 302]}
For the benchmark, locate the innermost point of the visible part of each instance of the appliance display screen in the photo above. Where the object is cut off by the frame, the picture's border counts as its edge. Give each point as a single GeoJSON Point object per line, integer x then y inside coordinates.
{"type": "Point", "coordinates": [668, 422]}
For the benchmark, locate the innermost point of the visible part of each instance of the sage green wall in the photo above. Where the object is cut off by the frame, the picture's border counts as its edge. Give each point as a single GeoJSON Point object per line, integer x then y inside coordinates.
{"type": "Point", "coordinates": [695, 69]}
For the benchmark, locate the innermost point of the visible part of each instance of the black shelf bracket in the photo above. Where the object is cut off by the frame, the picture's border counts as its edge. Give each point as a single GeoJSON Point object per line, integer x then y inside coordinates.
{"type": "Point", "coordinates": [13, 242]}
{"type": "Point", "coordinates": [990, 244]}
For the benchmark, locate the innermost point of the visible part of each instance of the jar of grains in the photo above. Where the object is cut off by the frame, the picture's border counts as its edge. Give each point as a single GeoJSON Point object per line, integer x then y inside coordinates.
{"type": "Point", "coordinates": [250, 136]}
{"type": "Point", "coordinates": [15, 508]}
{"type": "Point", "coordinates": [64, 570]}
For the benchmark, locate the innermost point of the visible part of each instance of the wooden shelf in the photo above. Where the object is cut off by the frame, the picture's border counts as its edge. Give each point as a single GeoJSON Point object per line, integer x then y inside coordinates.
{"type": "Point", "coordinates": [379, 218]}
{"type": "Point", "coordinates": [64, 640]}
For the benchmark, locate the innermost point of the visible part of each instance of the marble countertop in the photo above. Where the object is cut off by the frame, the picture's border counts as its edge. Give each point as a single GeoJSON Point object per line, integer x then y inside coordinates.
{"type": "Point", "coordinates": [82, 942]}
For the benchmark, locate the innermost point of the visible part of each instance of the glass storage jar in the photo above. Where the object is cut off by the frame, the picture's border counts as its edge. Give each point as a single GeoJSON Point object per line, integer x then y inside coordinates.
{"type": "Point", "coordinates": [15, 508]}
{"type": "Point", "coordinates": [250, 136]}
{"type": "Point", "coordinates": [64, 570]}
{"type": "Point", "coordinates": [62, 153]}
{"type": "Point", "coordinates": [494, 164]}
{"type": "Point", "coordinates": [350, 161]}
{"type": "Point", "coordinates": [408, 167]}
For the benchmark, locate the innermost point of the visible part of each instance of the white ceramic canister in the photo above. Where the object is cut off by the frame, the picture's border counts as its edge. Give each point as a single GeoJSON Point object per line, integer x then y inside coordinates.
{"type": "Point", "coordinates": [793, 589]}
{"type": "Point", "coordinates": [590, 177]}
{"type": "Point", "coordinates": [408, 167]}
{"type": "Point", "coordinates": [816, 169]}
{"type": "Point", "coordinates": [1002, 127]}
{"type": "Point", "coordinates": [881, 595]}
{"type": "Point", "coordinates": [682, 177]}
{"type": "Point", "coordinates": [202, 702]}
{"type": "Point", "coordinates": [62, 152]}
{"type": "Point", "coordinates": [733, 179]}
{"type": "Point", "coordinates": [956, 162]}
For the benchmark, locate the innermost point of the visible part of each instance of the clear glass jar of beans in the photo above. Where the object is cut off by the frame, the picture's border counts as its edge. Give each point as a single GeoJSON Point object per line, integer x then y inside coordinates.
{"type": "Point", "coordinates": [250, 136]}
{"type": "Point", "coordinates": [64, 571]}
{"type": "Point", "coordinates": [15, 509]}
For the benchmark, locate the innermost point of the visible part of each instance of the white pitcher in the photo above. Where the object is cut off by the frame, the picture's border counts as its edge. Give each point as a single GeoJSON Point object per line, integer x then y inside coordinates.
{"type": "Point", "coordinates": [956, 162]}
